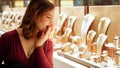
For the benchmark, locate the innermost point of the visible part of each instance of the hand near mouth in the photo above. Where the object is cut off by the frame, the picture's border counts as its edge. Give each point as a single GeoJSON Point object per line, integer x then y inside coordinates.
{"type": "Point", "coordinates": [44, 36]}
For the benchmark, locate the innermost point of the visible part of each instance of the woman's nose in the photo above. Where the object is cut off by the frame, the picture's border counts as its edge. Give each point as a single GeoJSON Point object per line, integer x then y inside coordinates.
{"type": "Point", "coordinates": [51, 21]}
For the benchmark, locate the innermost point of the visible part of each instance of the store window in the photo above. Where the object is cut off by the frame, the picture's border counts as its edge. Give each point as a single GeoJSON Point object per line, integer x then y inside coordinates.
{"type": "Point", "coordinates": [67, 2]}
{"type": "Point", "coordinates": [20, 3]}
{"type": "Point", "coordinates": [103, 2]}
{"type": "Point", "coordinates": [89, 2]}
{"type": "Point", "coordinates": [78, 2]}
{"type": "Point", "coordinates": [26, 2]}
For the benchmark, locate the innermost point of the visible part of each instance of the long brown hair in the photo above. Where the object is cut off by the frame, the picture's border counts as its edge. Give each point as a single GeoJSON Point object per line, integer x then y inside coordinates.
{"type": "Point", "coordinates": [35, 8]}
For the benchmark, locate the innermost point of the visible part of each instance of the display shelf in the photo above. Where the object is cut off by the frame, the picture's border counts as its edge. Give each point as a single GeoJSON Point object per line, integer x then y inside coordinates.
{"type": "Point", "coordinates": [62, 62]}
{"type": "Point", "coordinates": [89, 64]}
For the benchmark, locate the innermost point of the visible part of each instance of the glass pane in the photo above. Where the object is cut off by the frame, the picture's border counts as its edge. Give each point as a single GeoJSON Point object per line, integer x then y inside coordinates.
{"type": "Point", "coordinates": [27, 2]}
{"type": "Point", "coordinates": [103, 2]}
{"type": "Point", "coordinates": [96, 2]}
{"type": "Point", "coordinates": [19, 4]}
{"type": "Point", "coordinates": [78, 2]}
{"type": "Point", "coordinates": [67, 2]}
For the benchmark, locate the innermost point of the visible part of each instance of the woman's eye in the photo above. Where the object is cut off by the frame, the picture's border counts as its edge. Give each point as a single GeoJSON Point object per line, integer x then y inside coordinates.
{"type": "Point", "coordinates": [48, 17]}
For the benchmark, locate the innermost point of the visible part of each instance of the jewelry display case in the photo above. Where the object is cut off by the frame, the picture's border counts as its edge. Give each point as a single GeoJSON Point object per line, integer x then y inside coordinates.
{"type": "Point", "coordinates": [86, 35]}
{"type": "Point", "coordinates": [101, 42]}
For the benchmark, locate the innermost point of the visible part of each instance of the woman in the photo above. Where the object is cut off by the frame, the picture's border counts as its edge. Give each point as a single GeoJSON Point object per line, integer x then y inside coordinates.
{"type": "Point", "coordinates": [29, 44]}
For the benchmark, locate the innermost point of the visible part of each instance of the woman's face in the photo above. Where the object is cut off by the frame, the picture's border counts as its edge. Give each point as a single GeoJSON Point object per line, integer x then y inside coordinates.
{"type": "Point", "coordinates": [42, 22]}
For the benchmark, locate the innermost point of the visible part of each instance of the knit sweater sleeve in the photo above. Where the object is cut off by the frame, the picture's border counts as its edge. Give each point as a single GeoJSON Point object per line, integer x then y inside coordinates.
{"type": "Point", "coordinates": [44, 55]}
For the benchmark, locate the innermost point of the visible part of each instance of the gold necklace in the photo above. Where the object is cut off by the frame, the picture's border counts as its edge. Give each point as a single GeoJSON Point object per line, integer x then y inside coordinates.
{"type": "Point", "coordinates": [30, 51]}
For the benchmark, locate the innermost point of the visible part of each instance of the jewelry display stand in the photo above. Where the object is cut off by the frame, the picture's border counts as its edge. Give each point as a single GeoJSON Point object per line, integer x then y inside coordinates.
{"type": "Point", "coordinates": [4, 14]}
{"type": "Point", "coordinates": [88, 20]}
{"type": "Point", "coordinates": [116, 42]}
{"type": "Point", "coordinates": [71, 21]}
{"type": "Point", "coordinates": [5, 25]}
{"type": "Point", "coordinates": [54, 34]}
{"type": "Point", "coordinates": [60, 40]}
{"type": "Point", "coordinates": [64, 38]}
{"type": "Point", "coordinates": [103, 25]}
{"type": "Point", "coordinates": [10, 21]}
{"type": "Point", "coordinates": [60, 21]}
{"type": "Point", "coordinates": [90, 36]}
{"type": "Point", "coordinates": [100, 41]}
{"type": "Point", "coordinates": [102, 28]}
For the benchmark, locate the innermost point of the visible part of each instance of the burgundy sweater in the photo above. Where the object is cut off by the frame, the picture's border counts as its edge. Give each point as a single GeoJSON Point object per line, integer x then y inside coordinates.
{"type": "Point", "coordinates": [11, 52]}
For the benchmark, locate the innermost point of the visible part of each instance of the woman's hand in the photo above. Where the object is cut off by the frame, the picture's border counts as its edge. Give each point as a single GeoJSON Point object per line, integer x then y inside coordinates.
{"type": "Point", "coordinates": [44, 36]}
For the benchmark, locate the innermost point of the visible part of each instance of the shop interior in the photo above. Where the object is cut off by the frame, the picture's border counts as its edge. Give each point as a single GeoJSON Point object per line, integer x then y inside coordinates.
{"type": "Point", "coordinates": [86, 33]}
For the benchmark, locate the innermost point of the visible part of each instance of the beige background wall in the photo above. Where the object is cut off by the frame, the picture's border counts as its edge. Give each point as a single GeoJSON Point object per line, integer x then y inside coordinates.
{"type": "Point", "coordinates": [112, 12]}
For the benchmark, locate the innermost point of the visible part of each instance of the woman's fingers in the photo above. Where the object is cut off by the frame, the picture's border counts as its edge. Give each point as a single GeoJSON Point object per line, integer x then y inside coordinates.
{"type": "Point", "coordinates": [44, 37]}
{"type": "Point", "coordinates": [48, 31]}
